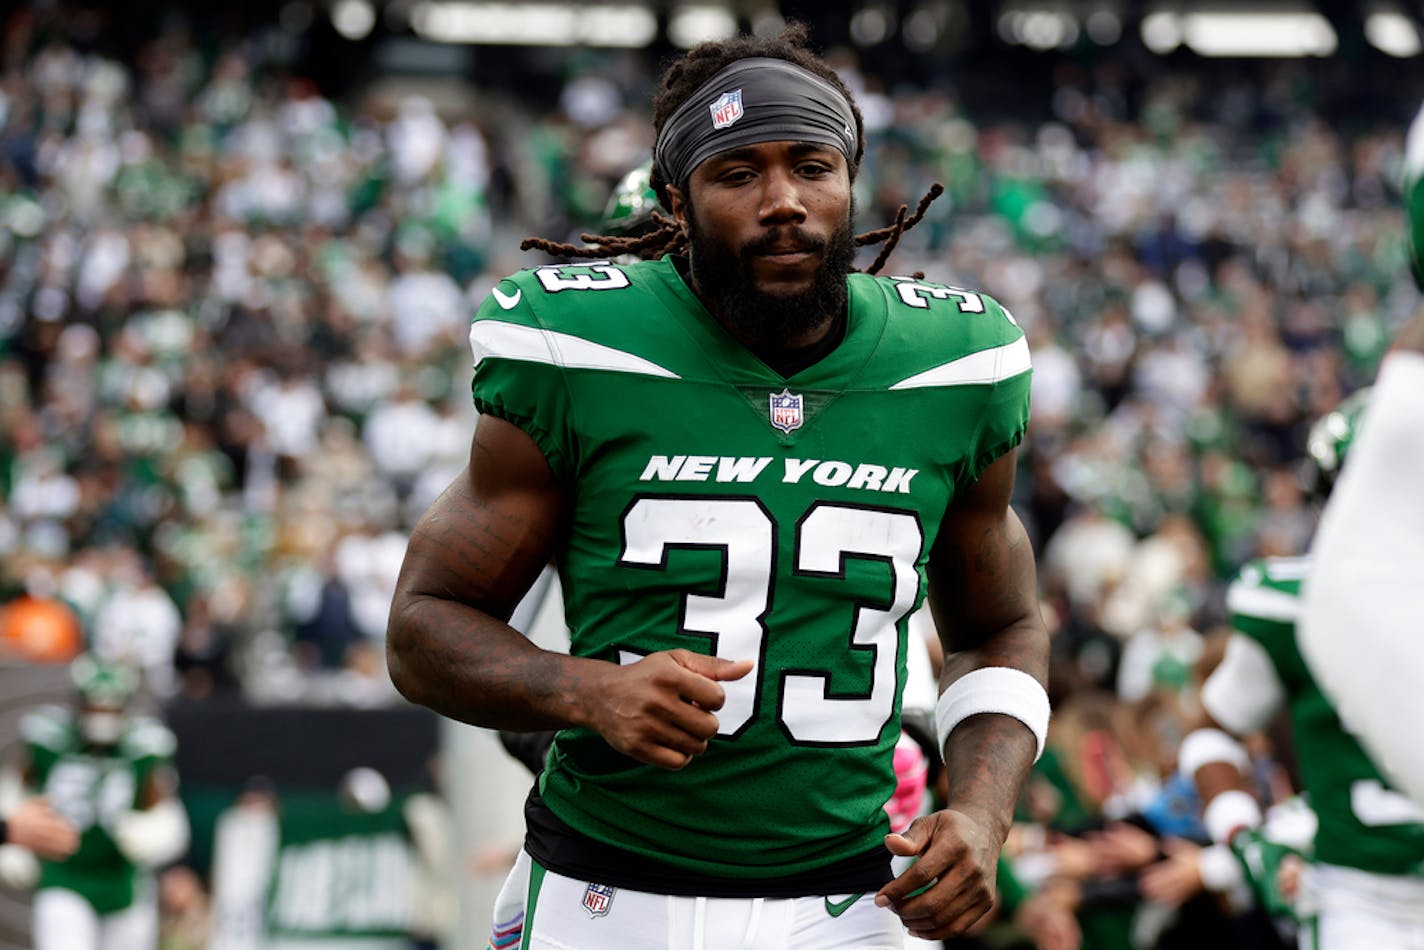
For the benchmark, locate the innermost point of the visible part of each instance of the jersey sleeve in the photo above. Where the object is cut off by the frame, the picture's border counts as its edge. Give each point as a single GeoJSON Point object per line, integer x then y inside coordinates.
{"type": "Point", "coordinates": [47, 734]}
{"type": "Point", "coordinates": [1265, 610]}
{"type": "Point", "coordinates": [150, 739]}
{"type": "Point", "coordinates": [518, 372]}
{"type": "Point", "coordinates": [1244, 692]}
{"type": "Point", "coordinates": [969, 352]}
{"type": "Point", "coordinates": [149, 745]}
{"type": "Point", "coordinates": [1007, 369]}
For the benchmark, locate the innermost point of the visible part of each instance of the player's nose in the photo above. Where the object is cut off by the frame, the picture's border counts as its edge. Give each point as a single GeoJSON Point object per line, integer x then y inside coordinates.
{"type": "Point", "coordinates": [781, 199]}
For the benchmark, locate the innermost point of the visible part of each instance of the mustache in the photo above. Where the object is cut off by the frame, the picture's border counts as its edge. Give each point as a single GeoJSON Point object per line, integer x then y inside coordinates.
{"type": "Point", "coordinates": [787, 240]}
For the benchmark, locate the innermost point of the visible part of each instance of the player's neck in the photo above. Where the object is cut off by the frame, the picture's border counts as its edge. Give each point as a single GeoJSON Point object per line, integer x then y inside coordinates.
{"type": "Point", "coordinates": [789, 358]}
{"type": "Point", "coordinates": [764, 347]}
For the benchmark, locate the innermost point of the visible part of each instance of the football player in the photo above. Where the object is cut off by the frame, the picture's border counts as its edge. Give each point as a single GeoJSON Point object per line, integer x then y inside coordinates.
{"type": "Point", "coordinates": [751, 465]}
{"type": "Point", "coordinates": [1365, 598]}
{"type": "Point", "coordinates": [1366, 883]}
{"type": "Point", "coordinates": [109, 773]}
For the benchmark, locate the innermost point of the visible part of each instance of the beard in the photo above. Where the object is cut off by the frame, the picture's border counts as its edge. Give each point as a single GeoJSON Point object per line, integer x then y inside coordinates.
{"type": "Point", "coordinates": [726, 281]}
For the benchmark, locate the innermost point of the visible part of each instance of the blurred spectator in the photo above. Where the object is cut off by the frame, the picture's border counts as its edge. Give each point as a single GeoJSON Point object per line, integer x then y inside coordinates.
{"type": "Point", "coordinates": [184, 921]}
{"type": "Point", "coordinates": [320, 605]}
{"type": "Point", "coordinates": [138, 623]}
{"type": "Point", "coordinates": [1160, 656]}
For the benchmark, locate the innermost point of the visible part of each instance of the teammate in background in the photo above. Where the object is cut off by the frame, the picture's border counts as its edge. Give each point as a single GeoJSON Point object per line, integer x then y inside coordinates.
{"type": "Point", "coordinates": [632, 207]}
{"type": "Point", "coordinates": [1365, 599]}
{"type": "Point", "coordinates": [751, 465]}
{"type": "Point", "coordinates": [110, 774]}
{"type": "Point", "coordinates": [1367, 883]}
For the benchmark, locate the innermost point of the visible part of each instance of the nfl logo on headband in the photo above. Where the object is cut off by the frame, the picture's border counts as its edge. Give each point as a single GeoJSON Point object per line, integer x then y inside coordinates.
{"type": "Point", "coordinates": [727, 109]}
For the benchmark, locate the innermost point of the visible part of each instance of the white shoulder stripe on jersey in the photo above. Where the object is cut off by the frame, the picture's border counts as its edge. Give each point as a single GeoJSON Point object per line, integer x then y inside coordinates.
{"type": "Point", "coordinates": [1288, 568]}
{"type": "Point", "coordinates": [1262, 602]}
{"type": "Point", "coordinates": [44, 727]}
{"type": "Point", "coordinates": [511, 341]}
{"type": "Point", "coordinates": [976, 369]}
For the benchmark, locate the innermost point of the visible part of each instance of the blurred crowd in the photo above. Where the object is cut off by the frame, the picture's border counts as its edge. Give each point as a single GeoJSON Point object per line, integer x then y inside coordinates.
{"type": "Point", "coordinates": [233, 367]}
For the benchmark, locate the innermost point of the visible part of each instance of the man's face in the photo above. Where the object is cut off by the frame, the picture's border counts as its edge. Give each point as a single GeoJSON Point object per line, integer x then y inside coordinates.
{"type": "Point", "coordinates": [770, 231]}
{"type": "Point", "coordinates": [101, 724]}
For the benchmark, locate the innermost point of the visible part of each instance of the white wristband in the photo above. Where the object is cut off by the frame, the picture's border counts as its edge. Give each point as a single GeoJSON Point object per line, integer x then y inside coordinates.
{"type": "Point", "coordinates": [1219, 869]}
{"type": "Point", "coordinates": [1205, 746]}
{"type": "Point", "coordinates": [154, 836]}
{"type": "Point", "coordinates": [1228, 813]}
{"type": "Point", "coordinates": [994, 689]}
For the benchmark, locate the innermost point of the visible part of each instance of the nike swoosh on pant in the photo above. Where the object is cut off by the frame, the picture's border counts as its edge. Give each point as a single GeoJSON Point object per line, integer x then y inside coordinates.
{"type": "Point", "coordinates": [836, 908]}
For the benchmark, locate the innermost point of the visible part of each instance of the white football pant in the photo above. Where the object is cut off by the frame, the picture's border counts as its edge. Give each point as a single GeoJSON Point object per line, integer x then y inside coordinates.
{"type": "Point", "coordinates": [552, 912]}
{"type": "Point", "coordinates": [62, 920]}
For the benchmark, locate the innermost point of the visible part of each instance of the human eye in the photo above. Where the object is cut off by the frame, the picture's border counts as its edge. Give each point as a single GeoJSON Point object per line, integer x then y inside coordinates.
{"type": "Point", "coordinates": [815, 166]}
{"type": "Point", "coordinates": [734, 174]}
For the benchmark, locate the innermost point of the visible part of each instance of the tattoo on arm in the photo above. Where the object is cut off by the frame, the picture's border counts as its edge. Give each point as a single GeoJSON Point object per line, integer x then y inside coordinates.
{"type": "Point", "coordinates": [986, 761]}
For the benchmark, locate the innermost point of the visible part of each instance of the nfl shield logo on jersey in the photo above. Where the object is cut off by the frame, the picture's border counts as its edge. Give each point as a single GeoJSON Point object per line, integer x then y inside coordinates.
{"type": "Point", "coordinates": [786, 410]}
{"type": "Point", "coordinates": [727, 109]}
{"type": "Point", "coordinates": [597, 898]}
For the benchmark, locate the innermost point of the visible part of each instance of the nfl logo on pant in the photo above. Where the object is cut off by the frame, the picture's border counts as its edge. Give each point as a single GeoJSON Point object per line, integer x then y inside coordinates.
{"type": "Point", "coordinates": [597, 898]}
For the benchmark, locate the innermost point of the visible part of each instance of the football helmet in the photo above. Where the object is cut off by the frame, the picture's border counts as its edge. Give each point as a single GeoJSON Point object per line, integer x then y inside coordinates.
{"type": "Point", "coordinates": [630, 208]}
{"type": "Point", "coordinates": [1330, 439]}
{"type": "Point", "coordinates": [104, 690]}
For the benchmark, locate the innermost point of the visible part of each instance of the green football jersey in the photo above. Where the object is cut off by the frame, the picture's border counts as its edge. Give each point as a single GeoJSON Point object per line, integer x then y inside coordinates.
{"type": "Point", "coordinates": [724, 508]}
{"type": "Point", "coordinates": [93, 791]}
{"type": "Point", "coordinates": [1362, 822]}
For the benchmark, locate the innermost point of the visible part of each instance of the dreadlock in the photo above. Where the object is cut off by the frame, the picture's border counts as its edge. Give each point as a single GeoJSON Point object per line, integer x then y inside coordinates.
{"type": "Point", "coordinates": [679, 81]}
{"type": "Point", "coordinates": [664, 237]}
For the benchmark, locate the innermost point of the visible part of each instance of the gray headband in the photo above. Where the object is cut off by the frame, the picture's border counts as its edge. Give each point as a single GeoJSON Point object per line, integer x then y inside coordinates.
{"type": "Point", "coordinates": [754, 100]}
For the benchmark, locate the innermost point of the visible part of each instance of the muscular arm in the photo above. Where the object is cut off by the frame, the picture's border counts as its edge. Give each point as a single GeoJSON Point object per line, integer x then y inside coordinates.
{"type": "Point", "coordinates": [1240, 697]}
{"type": "Point", "coordinates": [984, 596]}
{"type": "Point", "coordinates": [470, 559]}
{"type": "Point", "coordinates": [1218, 774]}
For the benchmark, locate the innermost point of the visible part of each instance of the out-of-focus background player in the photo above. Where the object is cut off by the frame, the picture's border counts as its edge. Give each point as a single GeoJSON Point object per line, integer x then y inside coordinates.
{"type": "Point", "coordinates": [1361, 607]}
{"type": "Point", "coordinates": [109, 773]}
{"type": "Point", "coordinates": [1362, 888]}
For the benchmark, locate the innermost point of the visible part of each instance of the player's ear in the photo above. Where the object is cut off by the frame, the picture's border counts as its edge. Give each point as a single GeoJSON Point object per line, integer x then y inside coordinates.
{"type": "Point", "coordinates": [677, 204]}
